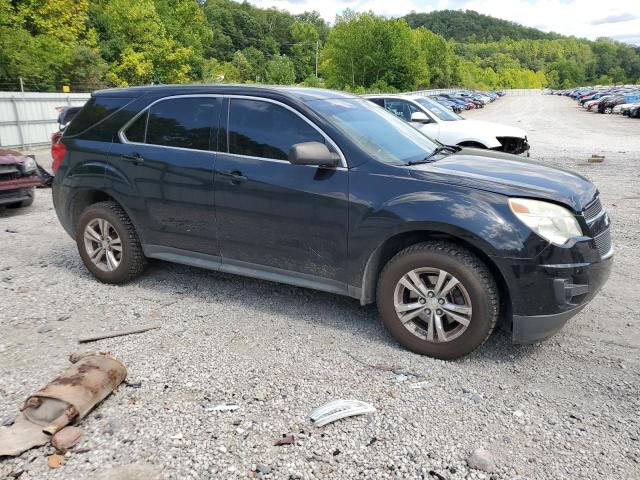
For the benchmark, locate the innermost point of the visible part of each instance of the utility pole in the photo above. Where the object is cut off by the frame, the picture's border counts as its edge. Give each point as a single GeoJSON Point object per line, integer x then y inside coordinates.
{"type": "Point", "coordinates": [317, 49]}
{"type": "Point", "coordinates": [22, 84]}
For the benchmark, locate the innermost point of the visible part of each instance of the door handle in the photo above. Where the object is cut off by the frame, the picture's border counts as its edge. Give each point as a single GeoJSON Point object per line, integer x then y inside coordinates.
{"type": "Point", "coordinates": [236, 177]}
{"type": "Point", "coordinates": [135, 158]}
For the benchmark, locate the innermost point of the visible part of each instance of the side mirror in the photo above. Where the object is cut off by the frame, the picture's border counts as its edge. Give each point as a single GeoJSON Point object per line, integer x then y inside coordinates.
{"type": "Point", "coordinates": [420, 117]}
{"type": "Point", "coordinates": [313, 153]}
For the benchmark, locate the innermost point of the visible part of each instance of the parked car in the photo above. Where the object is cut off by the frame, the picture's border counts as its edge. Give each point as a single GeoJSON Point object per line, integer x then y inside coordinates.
{"type": "Point", "coordinates": [325, 190]}
{"type": "Point", "coordinates": [18, 179]}
{"type": "Point", "coordinates": [449, 128]}
{"type": "Point", "coordinates": [65, 115]}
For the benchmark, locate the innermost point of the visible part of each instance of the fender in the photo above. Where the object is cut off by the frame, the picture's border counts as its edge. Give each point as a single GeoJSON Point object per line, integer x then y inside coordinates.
{"type": "Point", "coordinates": [477, 218]}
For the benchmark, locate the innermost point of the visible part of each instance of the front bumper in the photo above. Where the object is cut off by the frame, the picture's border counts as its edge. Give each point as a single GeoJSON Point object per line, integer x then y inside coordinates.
{"type": "Point", "coordinates": [545, 293]}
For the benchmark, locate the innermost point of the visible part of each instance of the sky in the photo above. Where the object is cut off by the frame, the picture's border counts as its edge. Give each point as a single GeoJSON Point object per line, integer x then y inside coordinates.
{"type": "Point", "coordinates": [617, 19]}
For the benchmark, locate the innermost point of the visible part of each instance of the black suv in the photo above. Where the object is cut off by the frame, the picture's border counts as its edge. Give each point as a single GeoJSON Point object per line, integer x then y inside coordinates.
{"type": "Point", "coordinates": [326, 190]}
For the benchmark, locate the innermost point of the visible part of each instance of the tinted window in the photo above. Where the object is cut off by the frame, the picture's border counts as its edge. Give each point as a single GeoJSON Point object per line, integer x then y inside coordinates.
{"type": "Point", "coordinates": [136, 131]}
{"type": "Point", "coordinates": [376, 131]}
{"type": "Point", "coordinates": [95, 110]}
{"type": "Point", "coordinates": [182, 122]}
{"type": "Point", "coordinates": [378, 101]}
{"type": "Point", "coordinates": [262, 129]}
{"type": "Point", "coordinates": [400, 108]}
{"type": "Point", "coordinates": [440, 111]}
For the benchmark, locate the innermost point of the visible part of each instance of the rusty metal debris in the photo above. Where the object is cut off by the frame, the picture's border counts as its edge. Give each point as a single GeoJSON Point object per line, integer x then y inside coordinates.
{"type": "Point", "coordinates": [285, 440]}
{"type": "Point", "coordinates": [118, 333]}
{"type": "Point", "coordinates": [66, 438]}
{"type": "Point", "coordinates": [337, 409]}
{"type": "Point", "coordinates": [66, 399]}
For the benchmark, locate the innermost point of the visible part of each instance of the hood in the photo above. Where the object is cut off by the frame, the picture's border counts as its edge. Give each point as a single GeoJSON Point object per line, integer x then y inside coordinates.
{"type": "Point", "coordinates": [509, 175]}
{"type": "Point", "coordinates": [480, 128]}
{"type": "Point", "coordinates": [11, 157]}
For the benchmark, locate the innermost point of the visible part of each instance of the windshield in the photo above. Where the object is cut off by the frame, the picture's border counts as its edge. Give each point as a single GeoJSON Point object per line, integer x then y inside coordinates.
{"type": "Point", "coordinates": [378, 132]}
{"type": "Point", "coordinates": [439, 110]}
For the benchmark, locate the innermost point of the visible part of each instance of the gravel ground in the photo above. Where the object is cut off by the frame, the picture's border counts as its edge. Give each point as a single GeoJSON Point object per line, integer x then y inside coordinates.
{"type": "Point", "coordinates": [564, 409]}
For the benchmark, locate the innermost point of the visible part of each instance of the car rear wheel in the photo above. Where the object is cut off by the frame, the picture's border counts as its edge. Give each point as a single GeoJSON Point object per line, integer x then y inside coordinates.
{"type": "Point", "coordinates": [108, 243]}
{"type": "Point", "coordinates": [438, 299]}
{"type": "Point", "coordinates": [608, 110]}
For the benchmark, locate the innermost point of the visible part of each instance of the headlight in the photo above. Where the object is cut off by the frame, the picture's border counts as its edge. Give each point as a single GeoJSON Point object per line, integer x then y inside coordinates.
{"type": "Point", "coordinates": [552, 222]}
{"type": "Point", "coordinates": [29, 165]}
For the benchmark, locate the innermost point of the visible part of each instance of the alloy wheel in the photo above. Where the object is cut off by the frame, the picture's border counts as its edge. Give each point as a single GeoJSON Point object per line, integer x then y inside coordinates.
{"type": "Point", "coordinates": [103, 244]}
{"type": "Point", "coordinates": [433, 304]}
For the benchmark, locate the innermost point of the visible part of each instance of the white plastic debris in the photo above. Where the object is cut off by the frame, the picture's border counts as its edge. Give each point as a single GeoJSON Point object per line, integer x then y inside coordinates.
{"type": "Point", "coordinates": [337, 409]}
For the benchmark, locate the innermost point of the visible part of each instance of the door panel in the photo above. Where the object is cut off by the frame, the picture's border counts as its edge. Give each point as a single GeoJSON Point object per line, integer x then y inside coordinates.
{"type": "Point", "coordinates": [270, 212]}
{"type": "Point", "coordinates": [171, 183]}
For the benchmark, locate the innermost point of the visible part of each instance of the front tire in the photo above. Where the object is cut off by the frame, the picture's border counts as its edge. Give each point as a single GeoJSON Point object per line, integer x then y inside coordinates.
{"type": "Point", "coordinates": [438, 299]}
{"type": "Point", "coordinates": [108, 243]}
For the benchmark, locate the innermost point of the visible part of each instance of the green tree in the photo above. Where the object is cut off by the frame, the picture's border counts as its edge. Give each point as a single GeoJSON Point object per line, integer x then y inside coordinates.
{"type": "Point", "coordinates": [303, 52]}
{"type": "Point", "coordinates": [280, 71]}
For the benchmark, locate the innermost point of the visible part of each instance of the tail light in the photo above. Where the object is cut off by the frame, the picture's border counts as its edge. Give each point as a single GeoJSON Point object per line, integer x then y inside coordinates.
{"type": "Point", "coordinates": [58, 151]}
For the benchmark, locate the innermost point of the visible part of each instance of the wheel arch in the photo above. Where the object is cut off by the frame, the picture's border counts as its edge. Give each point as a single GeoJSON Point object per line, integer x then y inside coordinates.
{"type": "Point", "coordinates": [390, 247]}
{"type": "Point", "coordinates": [86, 197]}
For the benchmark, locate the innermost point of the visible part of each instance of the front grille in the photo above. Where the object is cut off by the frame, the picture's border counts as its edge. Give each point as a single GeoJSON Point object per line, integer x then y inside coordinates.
{"type": "Point", "coordinates": [603, 242]}
{"type": "Point", "coordinates": [593, 210]}
{"type": "Point", "coordinates": [9, 172]}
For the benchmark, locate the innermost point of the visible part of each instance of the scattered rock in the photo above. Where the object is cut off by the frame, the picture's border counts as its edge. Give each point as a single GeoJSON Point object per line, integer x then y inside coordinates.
{"type": "Point", "coordinates": [130, 472]}
{"type": "Point", "coordinates": [518, 414]}
{"type": "Point", "coordinates": [45, 328]}
{"type": "Point", "coordinates": [476, 397]}
{"type": "Point", "coordinates": [481, 459]}
{"type": "Point", "coordinates": [55, 460]}
{"type": "Point", "coordinates": [62, 318]}
{"type": "Point", "coordinates": [263, 469]}
{"type": "Point", "coordinates": [66, 438]}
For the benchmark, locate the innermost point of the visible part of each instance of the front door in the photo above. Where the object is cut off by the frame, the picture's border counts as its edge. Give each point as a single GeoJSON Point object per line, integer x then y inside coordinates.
{"type": "Point", "coordinates": [272, 216]}
{"type": "Point", "coordinates": [167, 155]}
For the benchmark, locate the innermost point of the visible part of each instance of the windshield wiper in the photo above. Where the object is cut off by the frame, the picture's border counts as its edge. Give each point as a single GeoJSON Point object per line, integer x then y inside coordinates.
{"type": "Point", "coordinates": [436, 151]}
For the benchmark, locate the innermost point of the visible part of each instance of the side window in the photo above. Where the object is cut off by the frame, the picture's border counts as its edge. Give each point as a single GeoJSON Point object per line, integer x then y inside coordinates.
{"type": "Point", "coordinates": [137, 130]}
{"type": "Point", "coordinates": [263, 129]}
{"type": "Point", "coordinates": [400, 108]}
{"type": "Point", "coordinates": [378, 101]}
{"type": "Point", "coordinates": [182, 122]}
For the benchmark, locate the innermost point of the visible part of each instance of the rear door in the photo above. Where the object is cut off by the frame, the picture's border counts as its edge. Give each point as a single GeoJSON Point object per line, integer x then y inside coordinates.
{"type": "Point", "coordinates": [275, 218]}
{"type": "Point", "coordinates": [167, 153]}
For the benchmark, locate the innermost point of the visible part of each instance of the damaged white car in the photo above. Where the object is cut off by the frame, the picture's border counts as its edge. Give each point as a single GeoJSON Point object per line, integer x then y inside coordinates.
{"type": "Point", "coordinates": [449, 128]}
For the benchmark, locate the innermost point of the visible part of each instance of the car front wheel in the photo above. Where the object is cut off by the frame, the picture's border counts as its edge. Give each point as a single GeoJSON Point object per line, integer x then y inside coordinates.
{"type": "Point", "coordinates": [108, 243]}
{"type": "Point", "coordinates": [438, 299]}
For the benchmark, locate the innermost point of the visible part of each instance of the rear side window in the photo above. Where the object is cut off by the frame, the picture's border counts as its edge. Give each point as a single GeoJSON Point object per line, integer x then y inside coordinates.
{"type": "Point", "coordinates": [180, 122]}
{"type": "Point", "coordinates": [95, 110]}
{"type": "Point", "coordinates": [263, 129]}
{"type": "Point", "coordinates": [137, 130]}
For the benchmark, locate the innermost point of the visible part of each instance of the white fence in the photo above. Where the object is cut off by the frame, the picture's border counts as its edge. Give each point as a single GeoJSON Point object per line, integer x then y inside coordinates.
{"type": "Point", "coordinates": [28, 119]}
{"type": "Point", "coordinates": [512, 91]}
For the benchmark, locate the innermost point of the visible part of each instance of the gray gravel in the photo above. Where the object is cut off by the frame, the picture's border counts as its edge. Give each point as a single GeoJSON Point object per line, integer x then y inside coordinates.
{"type": "Point", "coordinates": [564, 409]}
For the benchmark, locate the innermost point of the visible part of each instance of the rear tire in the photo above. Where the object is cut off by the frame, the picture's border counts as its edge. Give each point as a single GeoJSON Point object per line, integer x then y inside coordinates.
{"type": "Point", "coordinates": [108, 243]}
{"type": "Point", "coordinates": [453, 322]}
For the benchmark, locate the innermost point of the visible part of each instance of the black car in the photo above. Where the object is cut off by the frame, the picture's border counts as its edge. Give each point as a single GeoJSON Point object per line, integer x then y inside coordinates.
{"type": "Point", "coordinates": [326, 190]}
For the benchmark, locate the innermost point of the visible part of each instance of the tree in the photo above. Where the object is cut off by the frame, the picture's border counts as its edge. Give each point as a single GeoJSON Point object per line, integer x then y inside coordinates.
{"type": "Point", "coordinates": [280, 71]}
{"type": "Point", "coordinates": [303, 52]}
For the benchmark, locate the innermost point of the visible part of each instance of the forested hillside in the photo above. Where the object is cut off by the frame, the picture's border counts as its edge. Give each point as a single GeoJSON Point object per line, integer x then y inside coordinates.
{"type": "Point", "coordinates": [99, 43]}
{"type": "Point", "coordinates": [470, 26]}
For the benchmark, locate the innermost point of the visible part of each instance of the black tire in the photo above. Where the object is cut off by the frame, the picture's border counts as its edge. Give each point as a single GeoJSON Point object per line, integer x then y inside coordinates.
{"type": "Point", "coordinates": [132, 262]}
{"type": "Point", "coordinates": [472, 273]}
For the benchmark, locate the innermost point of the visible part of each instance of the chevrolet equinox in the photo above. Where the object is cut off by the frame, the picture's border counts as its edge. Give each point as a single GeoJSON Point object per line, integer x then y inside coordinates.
{"type": "Point", "coordinates": [326, 190]}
